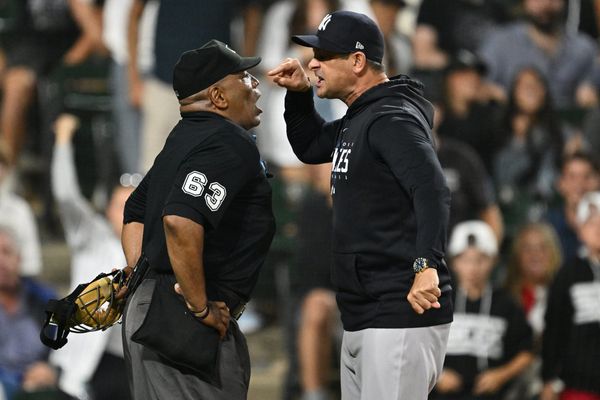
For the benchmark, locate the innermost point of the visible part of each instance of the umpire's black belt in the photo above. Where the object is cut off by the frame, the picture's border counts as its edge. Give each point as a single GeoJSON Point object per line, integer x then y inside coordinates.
{"type": "Point", "coordinates": [238, 310]}
{"type": "Point", "coordinates": [235, 304]}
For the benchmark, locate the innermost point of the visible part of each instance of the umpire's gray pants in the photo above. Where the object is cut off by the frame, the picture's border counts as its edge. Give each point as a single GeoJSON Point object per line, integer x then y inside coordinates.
{"type": "Point", "coordinates": [151, 379]}
{"type": "Point", "coordinates": [392, 364]}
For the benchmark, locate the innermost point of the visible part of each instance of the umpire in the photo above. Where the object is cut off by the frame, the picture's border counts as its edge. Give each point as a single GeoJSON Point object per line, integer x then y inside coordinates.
{"type": "Point", "coordinates": [203, 218]}
{"type": "Point", "coordinates": [390, 208]}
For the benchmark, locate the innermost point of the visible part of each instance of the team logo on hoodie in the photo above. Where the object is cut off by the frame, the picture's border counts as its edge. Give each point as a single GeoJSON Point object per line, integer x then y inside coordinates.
{"type": "Point", "coordinates": [341, 162]}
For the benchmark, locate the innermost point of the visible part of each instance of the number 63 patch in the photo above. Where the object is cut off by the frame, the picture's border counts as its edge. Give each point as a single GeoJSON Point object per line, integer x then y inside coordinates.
{"type": "Point", "coordinates": [194, 185]}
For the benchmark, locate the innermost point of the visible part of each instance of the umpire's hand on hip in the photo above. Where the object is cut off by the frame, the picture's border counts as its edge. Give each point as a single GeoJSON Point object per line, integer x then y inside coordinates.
{"type": "Point", "coordinates": [424, 293]}
{"type": "Point", "coordinates": [217, 315]}
{"type": "Point", "coordinates": [290, 75]}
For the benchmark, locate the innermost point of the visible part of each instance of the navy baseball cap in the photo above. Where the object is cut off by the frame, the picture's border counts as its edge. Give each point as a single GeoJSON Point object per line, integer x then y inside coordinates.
{"type": "Point", "coordinates": [199, 68]}
{"type": "Point", "coordinates": [346, 32]}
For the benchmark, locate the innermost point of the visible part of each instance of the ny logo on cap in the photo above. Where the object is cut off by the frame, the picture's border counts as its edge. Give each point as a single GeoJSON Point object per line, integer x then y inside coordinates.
{"type": "Point", "coordinates": [324, 23]}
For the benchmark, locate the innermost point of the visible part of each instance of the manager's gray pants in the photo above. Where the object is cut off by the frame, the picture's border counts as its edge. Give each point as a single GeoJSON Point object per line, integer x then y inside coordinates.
{"type": "Point", "coordinates": [151, 379]}
{"type": "Point", "coordinates": [392, 364]}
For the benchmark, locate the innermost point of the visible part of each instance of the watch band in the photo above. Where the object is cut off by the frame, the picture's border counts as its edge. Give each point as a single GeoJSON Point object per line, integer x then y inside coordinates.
{"type": "Point", "coordinates": [421, 264]}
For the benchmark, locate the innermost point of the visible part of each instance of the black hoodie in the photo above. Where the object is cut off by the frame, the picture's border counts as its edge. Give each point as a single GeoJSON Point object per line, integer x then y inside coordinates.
{"type": "Point", "coordinates": [390, 200]}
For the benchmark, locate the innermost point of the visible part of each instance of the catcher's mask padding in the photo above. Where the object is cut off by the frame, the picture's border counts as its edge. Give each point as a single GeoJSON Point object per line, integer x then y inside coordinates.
{"type": "Point", "coordinates": [90, 307]}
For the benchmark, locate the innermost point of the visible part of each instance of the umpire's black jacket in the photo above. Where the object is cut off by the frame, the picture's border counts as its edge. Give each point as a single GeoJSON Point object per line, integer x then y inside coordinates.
{"type": "Point", "coordinates": [390, 200]}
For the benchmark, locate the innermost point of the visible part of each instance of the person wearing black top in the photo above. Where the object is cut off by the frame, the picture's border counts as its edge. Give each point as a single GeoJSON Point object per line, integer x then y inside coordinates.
{"type": "Point", "coordinates": [471, 188]}
{"type": "Point", "coordinates": [571, 341]}
{"type": "Point", "coordinates": [390, 208]}
{"type": "Point", "coordinates": [203, 218]}
{"type": "Point", "coordinates": [490, 341]}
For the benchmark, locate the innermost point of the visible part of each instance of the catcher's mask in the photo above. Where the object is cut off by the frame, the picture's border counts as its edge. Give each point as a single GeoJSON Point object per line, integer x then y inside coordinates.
{"type": "Point", "coordinates": [90, 307]}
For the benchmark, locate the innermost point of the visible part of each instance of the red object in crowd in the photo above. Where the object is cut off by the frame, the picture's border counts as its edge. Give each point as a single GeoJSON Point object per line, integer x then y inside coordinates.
{"type": "Point", "coordinates": [571, 394]}
{"type": "Point", "coordinates": [527, 298]}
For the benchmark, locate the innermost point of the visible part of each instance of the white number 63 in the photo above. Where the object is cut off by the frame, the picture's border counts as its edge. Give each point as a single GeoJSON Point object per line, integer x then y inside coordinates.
{"type": "Point", "coordinates": [194, 185]}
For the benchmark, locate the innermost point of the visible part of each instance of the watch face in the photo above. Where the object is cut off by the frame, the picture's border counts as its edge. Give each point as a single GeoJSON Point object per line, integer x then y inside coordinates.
{"type": "Point", "coordinates": [420, 264]}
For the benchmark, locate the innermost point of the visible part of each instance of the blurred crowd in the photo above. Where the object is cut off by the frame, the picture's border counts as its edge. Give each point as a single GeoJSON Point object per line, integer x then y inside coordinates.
{"type": "Point", "coordinates": [86, 102]}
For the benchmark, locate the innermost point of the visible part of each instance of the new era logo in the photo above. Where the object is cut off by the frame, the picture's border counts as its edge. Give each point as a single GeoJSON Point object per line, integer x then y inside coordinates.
{"type": "Point", "coordinates": [324, 22]}
{"type": "Point", "coordinates": [359, 46]}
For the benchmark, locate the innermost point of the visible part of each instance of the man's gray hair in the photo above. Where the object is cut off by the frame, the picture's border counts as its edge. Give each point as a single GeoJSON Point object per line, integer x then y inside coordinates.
{"type": "Point", "coordinates": [9, 231]}
{"type": "Point", "coordinates": [376, 66]}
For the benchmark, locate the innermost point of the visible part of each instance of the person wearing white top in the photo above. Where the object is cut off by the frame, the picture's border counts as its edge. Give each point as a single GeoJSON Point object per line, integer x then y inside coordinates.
{"type": "Point", "coordinates": [127, 117]}
{"type": "Point", "coordinates": [95, 246]}
{"type": "Point", "coordinates": [16, 214]}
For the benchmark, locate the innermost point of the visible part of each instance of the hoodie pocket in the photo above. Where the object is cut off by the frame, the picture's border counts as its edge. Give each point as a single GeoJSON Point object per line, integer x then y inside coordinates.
{"type": "Point", "coordinates": [344, 275]}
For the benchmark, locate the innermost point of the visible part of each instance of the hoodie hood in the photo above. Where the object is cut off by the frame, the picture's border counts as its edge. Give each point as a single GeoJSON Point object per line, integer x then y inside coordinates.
{"type": "Point", "coordinates": [402, 92]}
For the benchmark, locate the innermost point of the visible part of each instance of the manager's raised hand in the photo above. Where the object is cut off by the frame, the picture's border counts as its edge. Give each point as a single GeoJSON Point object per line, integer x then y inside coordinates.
{"type": "Point", "coordinates": [290, 75]}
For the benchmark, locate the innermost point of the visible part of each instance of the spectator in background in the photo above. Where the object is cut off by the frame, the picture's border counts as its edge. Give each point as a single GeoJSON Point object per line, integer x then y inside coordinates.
{"type": "Point", "coordinates": [23, 366]}
{"type": "Point", "coordinates": [490, 341]}
{"type": "Point", "coordinates": [45, 34]}
{"type": "Point", "coordinates": [571, 343]}
{"type": "Point", "coordinates": [318, 326]}
{"type": "Point", "coordinates": [446, 26]}
{"type": "Point", "coordinates": [583, 16]}
{"type": "Point", "coordinates": [180, 26]}
{"type": "Point", "coordinates": [579, 174]}
{"type": "Point", "coordinates": [471, 188]}
{"type": "Point", "coordinates": [126, 117]}
{"type": "Point", "coordinates": [565, 60]}
{"type": "Point", "coordinates": [16, 213]}
{"type": "Point", "coordinates": [95, 245]}
{"type": "Point", "coordinates": [525, 165]}
{"type": "Point", "coordinates": [469, 115]}
{"type": "Point", "coordinates": [534, 259]}
{"type": "Point", "coordinates": [398, 50]}
{"type": "Point", "coordinates": [292, 179]}
{"type": "Point", "coordinates": [590, 129]}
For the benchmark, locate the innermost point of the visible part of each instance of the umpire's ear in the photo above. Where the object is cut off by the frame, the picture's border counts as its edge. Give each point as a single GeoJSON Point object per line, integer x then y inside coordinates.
{"type": "Point", "coordinates": [217, 97]}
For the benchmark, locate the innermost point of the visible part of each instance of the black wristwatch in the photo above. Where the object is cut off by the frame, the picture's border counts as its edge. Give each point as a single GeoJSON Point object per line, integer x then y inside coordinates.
{"type": "Point", "coordinates": [421, 264]}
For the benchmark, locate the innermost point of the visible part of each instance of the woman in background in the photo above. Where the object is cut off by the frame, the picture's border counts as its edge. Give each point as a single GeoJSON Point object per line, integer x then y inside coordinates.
{"type": "Point", "coordinates": [534, 259]}
{"type": "Point", "coordinates": [525, 166]}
